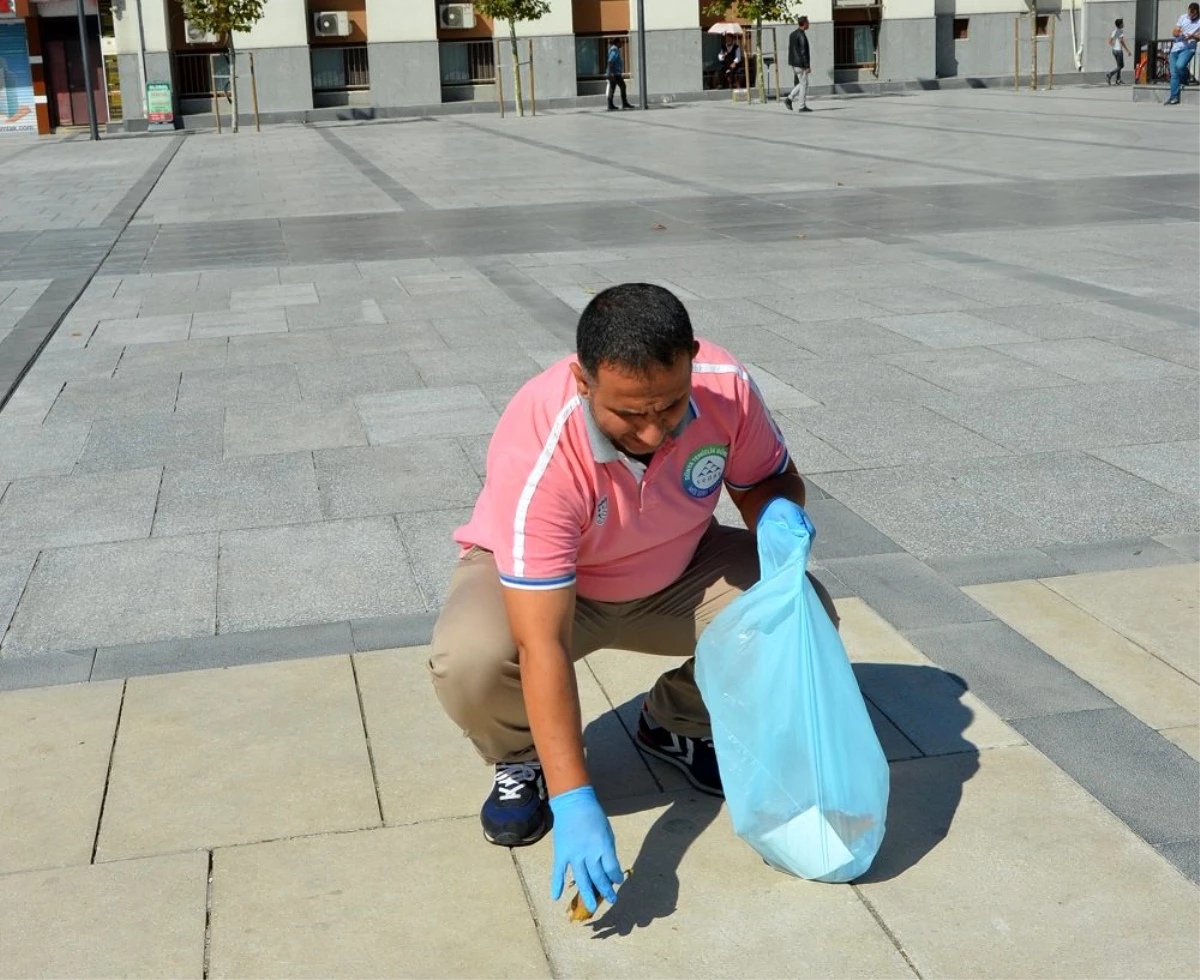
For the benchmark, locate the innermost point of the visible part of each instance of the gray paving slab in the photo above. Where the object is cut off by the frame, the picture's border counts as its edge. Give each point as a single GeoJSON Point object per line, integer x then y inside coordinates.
{"type": "Point", "coordinates": [406, 477]}
{"type": "Point", "coordinates": [393, 632]}
{"type": "Point", "coordinates": [841, 533]}
{"type": "Point", "coordinates": [152, 440]}
{"type": "Point", "coordinates": [111, 594]}
{"type": "Point", "coordinates": [14, 574]}
{"type": "Point", "coordinates": [1095, 361]}
{"type": "Point", "coordinates": [331, 314]}
{"type": "Point", "coordinates": [288, 428]}
{"type": "Point", "coordinates": [31, 402]}
{"type": "Point", "coordinates": [1187, 545]}
{"type": "Point", "coordinates": [339, 570]}
{"type": "Point", "coordinates": [261, 491]}
{"type": "Point", "coordinates": [74, 365]}
{"type": "Point", "coordinates": [1176, 344]}
{"type": "Point", "coordinates": [1185, 855]}
{"type": "Point", "coordinates": [82, 401]}
{"type": "Point", "coordinates": [166, 328]}
{"type": "Point", "coordinates": [1015, 678]}
{"type": "Point", "coordinates": [923, 703]}
{"type": "Point", "coordinates": [810, 453]}
{"type": "Point", "coordinates": [356, 341]}
{"type": "Point", "coordinates": [951, 329]}
{"type": "Point", "coordinates": [840, 381]}
{"type": "Point", "coordinates": [428, 541]}
{"type": "Point", "coordinates": [270, 384]}
{"type": "Point", "coordinates": [1175, 466]}
{"type": "Point", "coordinates": [46, 670]}
{"type": "Point", "coordinates": [973, 368]}
{"type": "Point", "coordinates": [1076, 497]}
{"type": "Point", "coordinates": [444, 411]}
{"type": "Point", "coordinates": [1064, 322]}
{"type": "Point", "coordinates": [1012, 566]}
{"type": "Point", "coordinates": [476, 448]}
{"type": "Point", "coordinates": [905, 592]}
{"type": "Point", "coordinates": [225, 650]}
{"type": "Point", "coordinates": [141, 360]}
{"type": "Point", "coordinates": [345, 377]}
{"type": "Point", "coordinates": [1107, 556]}
{"type": "Point", "coordinates": [444, 368]}
{"type": "Point", "coordinates": [64, 511]}
{"type": "Point", "coordinates": [28, 450]}
{"type": "Point", "coordinates": [272, 297]}
{"type": "Point", "coordinates": [279, 348]}
{"type": "Point", "coordinates": [1146, 780]}
{"type": "Point", "coordinates": [221, 324]}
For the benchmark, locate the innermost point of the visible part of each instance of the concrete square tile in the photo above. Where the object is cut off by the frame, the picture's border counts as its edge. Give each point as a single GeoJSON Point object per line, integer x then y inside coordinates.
{"type": "Point", "coordinates": [291, 428]}
{"type": "Point", "coordinates": [272, 297]}
{"type": "Point", "coordinates": [1060, 321]}
{"type": "Point", "coordinates": [63, 511]}
{"type": "Point", "coordinates": [357, 341]}
{"type": "Point", "coordinates": [141, 360]}
{"type": "Point", "coordinates": [215, 757]}
{"type": "Point", "coordinates": [686, 862]}
{"type": "Point", "coordinates": [464, 366]}
{"type": "Point", "coordinates": [272, 385]}
{"type": "Point", "coordinates": [46, 670]}
{"type": "Point", "coordinates": [947, 330]}
{"type": "Point", "coordinates": [345, 377]}
{"type": "Point", "coordinates": [152, 926]}
{"type": "Point", "coordinates": [1108, 556]}
{"type": "Point", "coordinates": [1095, 361]}
{"type": "Point", "coordinates": [1154, 607]}
{"type": "Point", "coordinates": [830, 338]}
{"type": "Point", "coordinates": [239, 493]}
{"type": "Point", "coordinates": [339, 570]}
{"type": "Point", "coordinates": [151, 440]}
{"type": "Point", "coordinates": [1177, 345]}
{"type": "Point", "coordinates": [1010, 566]}
{"type": "Point", "coordinates": [129, 592]}
{"type": "Point", "coordinates": [970, 368]}
{"type": "Point", "coordinates": [82, 401]}
{"type": "Point", "coordinates": [406, 477]}
{"type": "Point", "coordinates": [14, 573]}
{"type": "Point", "coordinates": [279, 348]}
{"type": "Point", "coordinates": [1187, 545]}
{"type": "Point", "coordinates": [143, 330]}
{"type": "Point", "coordinates": [808, 452]}
{"type": "Point", "coordinates": [1015, 813]}
{"type": "Point", "coordinates": [54, 749]}
{"type": "Point", "coordinates": [31, 402]}
{"type": "Point", "coordinates": [1175, 466]}
{"type": "Point", "coordinates": [915, 299]}
{"type": "Point", "coordinates": [40, 450]}
{"type": "Point", "coordinates": [1131, 676]}
{"type": "Point", "coordinates": [90, 363]}
{"type": "Point", "coordinates": [454, 411]}
{"type": "Point", "coordinates": [222, 324]}
{"type": "Point", "coordinates": [431, 549]}
{"type": "Point", "coordinates": [1187, 738]}
{"type": "Point", "coordinates": [398, 898]}
{"type": "Point", "coordinates": [778, 395]}
{"type": "Point", "coordinates": [905, 592]}
{"type": "Point", "coordinates": [330, 314]}
{"type": "Point", "coordinates": [841, 533]}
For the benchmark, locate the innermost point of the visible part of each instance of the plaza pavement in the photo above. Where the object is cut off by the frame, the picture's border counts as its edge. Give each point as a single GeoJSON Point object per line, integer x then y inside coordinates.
{"type": "Point", "coordinates": [227, 484]}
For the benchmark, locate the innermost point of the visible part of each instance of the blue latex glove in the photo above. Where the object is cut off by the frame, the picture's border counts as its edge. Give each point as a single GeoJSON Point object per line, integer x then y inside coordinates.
{"type": "Point", "coordinates": [788, 513]}
{"type": "Point", "coordinates": [583, 840]}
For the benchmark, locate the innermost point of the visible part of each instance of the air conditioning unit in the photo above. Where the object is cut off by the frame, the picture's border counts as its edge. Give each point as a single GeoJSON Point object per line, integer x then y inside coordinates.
{"type": "Point", "coordinates": [331, 23]}
{"type": "Point", "coordinates": [193, 35]}
{"type": "Point", "coordinates": [456, 16]}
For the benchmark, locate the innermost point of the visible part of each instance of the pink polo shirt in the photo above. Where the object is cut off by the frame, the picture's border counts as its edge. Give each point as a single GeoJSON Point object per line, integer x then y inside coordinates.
{"type": "Point", "coordinates": [563, 506]}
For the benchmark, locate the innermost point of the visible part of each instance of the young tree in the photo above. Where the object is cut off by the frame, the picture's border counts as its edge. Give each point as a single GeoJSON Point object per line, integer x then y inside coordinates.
{"type": "Point", "coordinates": [222, 18]}
{"type": "Point", "coordinates": [513, 11]}
{"type": "Point", "coordinates": [756, 11]}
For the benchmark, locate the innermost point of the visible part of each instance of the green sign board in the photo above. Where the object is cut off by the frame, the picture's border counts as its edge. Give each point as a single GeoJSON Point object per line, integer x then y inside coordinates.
{"type": "Point", "coordinates": [160, 106]}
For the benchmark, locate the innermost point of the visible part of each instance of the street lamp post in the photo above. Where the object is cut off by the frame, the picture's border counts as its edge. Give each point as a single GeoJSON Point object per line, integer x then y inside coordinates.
{"type": "Point", "coordinates": [641, 15]}
{"type": "Point", "coordinates": [87, 69]}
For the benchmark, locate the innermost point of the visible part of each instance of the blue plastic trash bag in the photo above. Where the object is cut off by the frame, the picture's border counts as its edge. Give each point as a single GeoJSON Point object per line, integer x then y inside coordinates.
{"type": "Point", "coordinates": [804, 775]}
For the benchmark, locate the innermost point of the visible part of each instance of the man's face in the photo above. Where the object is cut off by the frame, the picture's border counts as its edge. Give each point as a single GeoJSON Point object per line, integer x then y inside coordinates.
{"type": "Point", "coordinates": [637, 412]}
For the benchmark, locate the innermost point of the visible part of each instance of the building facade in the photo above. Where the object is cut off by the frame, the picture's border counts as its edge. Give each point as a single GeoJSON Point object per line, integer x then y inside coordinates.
{"type": "Point", "coordinates": [407, 54]}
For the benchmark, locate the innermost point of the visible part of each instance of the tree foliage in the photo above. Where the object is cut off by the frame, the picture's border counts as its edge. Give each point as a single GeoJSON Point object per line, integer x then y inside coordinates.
{"type": "Point", "coordinates": [513, 11]}
{"type": "Point", "coordinates": [756, 12]}
{"type": "Point", "coordinates": [221, 17]}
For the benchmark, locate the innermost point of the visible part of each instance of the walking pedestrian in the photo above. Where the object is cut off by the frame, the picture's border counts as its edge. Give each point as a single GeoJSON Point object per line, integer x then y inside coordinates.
{"type": "Point", "coordinates": [1187, 35]}
{"type": "Point", "coordinates": [1116, 41]}
{"type": "Point", "coordinates": [614, 71]}
{"type": "Point", "coordinates": [800, 59]}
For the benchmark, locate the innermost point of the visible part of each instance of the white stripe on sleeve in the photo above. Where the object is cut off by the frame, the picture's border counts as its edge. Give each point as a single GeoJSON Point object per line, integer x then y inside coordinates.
{"type": "Point", "coordinates": [531, 485]}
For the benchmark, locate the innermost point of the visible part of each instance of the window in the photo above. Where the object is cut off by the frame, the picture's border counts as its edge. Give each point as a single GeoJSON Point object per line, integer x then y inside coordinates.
{"type": "Point", "coordinates": [960, 28]}
{"type": "Point", "coordinates": [1043, 25]}
{"type": "Point", "coordinates": [591, 54]}
{"type": "Point", "coordinates": [467, 62]}
{"type": "Point", "coordinates": [853, 45]}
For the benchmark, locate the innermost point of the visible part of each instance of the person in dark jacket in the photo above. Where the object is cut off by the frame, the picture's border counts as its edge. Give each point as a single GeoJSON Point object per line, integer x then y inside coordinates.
{"type": "Point", "coordinates": [614, 73]}
{"type": "Point", "coordinates": [801, 61]}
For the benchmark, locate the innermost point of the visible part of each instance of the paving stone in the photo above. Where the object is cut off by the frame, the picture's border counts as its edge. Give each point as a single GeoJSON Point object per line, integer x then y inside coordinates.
{"type": "Point", "coordinates": [143, 330]}
{"type": "Point", "coordinates": [1095, 361]}
{"type": "Point", "coordinates": [1187, 545]}
{"type": "Point", "coordinates": [88, 363]}
{"type": "Point", "coordinates": [971, 368]}
{"type": "Point", "coordinates": [457, 367]}
{"type": "Point", "coordinates": [1185, 855]}
{"type": "Point", "coordinates": [217, 757]}
{"type": "Point", "coordinates": [82, 401]}
{"type": "Point", "coordinates": [1061, 321]}
{"type": "Point", "coordinates": [14, 573]}
{"type": "Point", "coordinates": [393, 632]}
{"type": "Point", "coordinates": [1186, 737]}
{"type": "Point", "coordinates": [1106, 556]}
{"type": "Point", "coordinates": [843, 534]}
{"type": "Point", "coordinates": [288, 890]}
{"type": "Point", "coordinates": [1157, 608]}
{"type": "Point", "coordinates": [931, 708]}
{"type": "Point", "coordinates": [270, 385]}
{"type": "Point", "coordinates": [46, 670]}
{"type": "Point", "coordinates": [54, 748]}
{"type": "Point", "coordinates": [31, 402]}
{"type": "Point", "coordinates": [951, 329]}
{"type": "Point", "coordinates": [808, 452]}
{"type": "Point", "coordinates": [341, 570]}
{"type": "Point", "coordinates": [140, 360]}
{"type": "Point", "coordinates": [240, 493]}
{"type": "Point", "coordinates": [279, 348]}
{"type": "Point", "coordinates": [40, 450]}
{"type": "Point", "coordinates": [1076, 497]}
{"type": "Point", "coordinates": [272, 297]}
{"type": "Point", "coordinates": [1131, 676]}
{"type": "Point", "coordinates": [226, 650]}
{"type": "Point", "coordinates": [454, 411]}
{"type": "Point", "coordinates": [1037, 834]}
{"type": "Point", "coordinates": [429, 543]}
{"type": "Point", "coordinates": [357, 341]}
{"type": "Point", "coordinates": [778, 395]}
{"type": "Point", "coordinates": [905, 592]}
{"type": "Point", "coordinates": [405, 477]}
{"type": "Point", "coordinates": [108, 594]}
{"type": "Point", "coordinates": [1171, 345]}
{"type": "Point", "coordinates": [345, 377]}
{"type": "Point", "coordinates": [685, 862]}
{"type": "Point", "coordinates": [289, 428]}
{"type": "Point", "coordinates": [152, 926]}
{"type": "Point", "coordinates": [476, 448]}
{"type": "Point", "coordinates": [1175, 466]}
{"type": "Point", "coordinates": [1012, 676]}
{"type": "Point", "coordinates": [222, 324]}
{"type": "Point", "coordinates": [1009, 566]}
{"type": "Point", "coordinates": [151, 440]}
{"type": "Point", "coordinates": [831, 338]}
{"type": "Point", "coordinates": [62, 511]}
{"type": "Point", "coordinates": [330, 314]}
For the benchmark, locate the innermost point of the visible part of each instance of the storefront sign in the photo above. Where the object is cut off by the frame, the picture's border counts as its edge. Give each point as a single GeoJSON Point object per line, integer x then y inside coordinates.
{"type": "Point", "coordinates": [17, 113]}
{"type": "Point", "coordinates": [160, 107]}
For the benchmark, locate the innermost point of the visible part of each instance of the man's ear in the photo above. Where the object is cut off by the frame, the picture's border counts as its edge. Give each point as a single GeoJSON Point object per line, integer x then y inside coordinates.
{"type": "Point", "coordinates": [581, 382]}
{"type": "Point", "coordinates": [695, 349]}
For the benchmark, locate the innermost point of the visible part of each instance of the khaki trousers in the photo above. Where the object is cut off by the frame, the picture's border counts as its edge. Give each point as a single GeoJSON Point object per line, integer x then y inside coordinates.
{"type": "Point", "coordinates": [474, 662]}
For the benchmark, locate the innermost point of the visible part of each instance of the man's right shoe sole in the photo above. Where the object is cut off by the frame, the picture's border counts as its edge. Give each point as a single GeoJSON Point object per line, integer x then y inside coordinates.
{"type": "Point", "coordinates": [512, 840]}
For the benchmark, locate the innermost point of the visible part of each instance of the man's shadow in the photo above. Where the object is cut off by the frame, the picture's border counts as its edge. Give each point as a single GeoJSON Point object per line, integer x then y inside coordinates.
{"type": "Point", "coordinates": [923, 799]}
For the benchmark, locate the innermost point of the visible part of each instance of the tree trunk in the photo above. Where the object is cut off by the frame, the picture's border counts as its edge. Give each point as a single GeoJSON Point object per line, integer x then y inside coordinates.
{"type": "Point", "coordinates": [233, 97]}
{"type": "Point", "coordinates": [512, 36]}
{"type": "Point", "coordinates": [758, 64]}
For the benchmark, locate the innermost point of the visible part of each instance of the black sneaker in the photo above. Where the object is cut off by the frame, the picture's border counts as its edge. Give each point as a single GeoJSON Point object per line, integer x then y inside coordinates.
{"type": "Point", "coordinates": [516, 811]}
{"type": "Point", "coordinates": [787, 102]}
{"type": "Point", "coordinates": [694, 757]}
{"type": "Point", "coordinates": [805, 108]}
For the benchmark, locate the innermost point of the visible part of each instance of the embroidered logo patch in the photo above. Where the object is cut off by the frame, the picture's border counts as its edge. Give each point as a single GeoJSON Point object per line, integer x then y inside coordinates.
{"type": "Point", "coordinates": [703, 470]}
{"type": "Point", "coordinates": [602, 511]}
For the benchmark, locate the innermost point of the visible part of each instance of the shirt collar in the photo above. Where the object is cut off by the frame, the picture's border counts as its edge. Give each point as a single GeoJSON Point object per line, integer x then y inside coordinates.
{"type": "Point", "coordinates": [603, 450]}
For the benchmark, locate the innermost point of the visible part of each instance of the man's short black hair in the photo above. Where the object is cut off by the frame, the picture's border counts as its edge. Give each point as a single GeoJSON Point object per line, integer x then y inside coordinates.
{"type": "Point", "coordinates": [635, 327]}
{"type": "Point", "coordinates": [802, 21]}
{"type": "Point", "coordinates": [1119, 22]}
